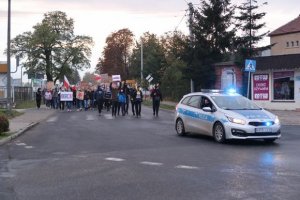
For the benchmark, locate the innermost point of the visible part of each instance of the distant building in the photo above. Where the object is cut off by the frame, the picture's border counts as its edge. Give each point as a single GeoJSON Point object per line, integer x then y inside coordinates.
{"type": "Point", "coordinates": [286, 39]}
{"type": "Point", "coordinates": [276, 82]}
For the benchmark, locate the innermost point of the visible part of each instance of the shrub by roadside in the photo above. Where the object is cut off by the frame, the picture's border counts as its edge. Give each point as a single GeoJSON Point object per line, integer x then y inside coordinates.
{"type": "Point", "coordinates": [4, 124]}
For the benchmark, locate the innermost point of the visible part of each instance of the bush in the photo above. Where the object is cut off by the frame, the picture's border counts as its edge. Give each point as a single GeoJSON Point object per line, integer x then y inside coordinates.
{"type": "Point", "coordinates": [4, 124]}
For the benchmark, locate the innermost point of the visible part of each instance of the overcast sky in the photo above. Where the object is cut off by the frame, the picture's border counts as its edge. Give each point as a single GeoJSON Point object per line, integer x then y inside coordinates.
{"type": "Point", "coordinates": [99, 18]}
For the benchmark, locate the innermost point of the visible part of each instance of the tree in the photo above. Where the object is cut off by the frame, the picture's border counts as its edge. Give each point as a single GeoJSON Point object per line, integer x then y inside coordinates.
{"type": "Point", "coordinates": [248, 23]}
{"type": "Point", "coordinates": [52, 47]}
{"type": "Point", "coordinates": [174, 82]}
{"type": "Point", "coordinates": [116, 53]}
{"type": "Point", "coordinates": [153, 58]}
{"type": "Point", "coordinates": [211, 39]}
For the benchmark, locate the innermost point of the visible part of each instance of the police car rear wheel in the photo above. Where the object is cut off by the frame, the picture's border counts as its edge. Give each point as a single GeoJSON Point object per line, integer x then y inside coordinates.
{"type": "Point", "coordinates": [219, 133]}
{"type": "Point", "coordinates": [180, 127]}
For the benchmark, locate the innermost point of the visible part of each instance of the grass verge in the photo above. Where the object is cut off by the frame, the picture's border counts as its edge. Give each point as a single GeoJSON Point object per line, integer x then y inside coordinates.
{"type": "Point", "coordinates": [162, 105]}
{"type": "Point", "coordinates": [25, 104]}
{"type": "Point", "coordinates": [10, 115]}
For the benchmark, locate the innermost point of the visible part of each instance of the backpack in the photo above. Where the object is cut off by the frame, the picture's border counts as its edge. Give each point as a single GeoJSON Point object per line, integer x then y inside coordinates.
{"type": "Point", "coordinates": [99, 95]}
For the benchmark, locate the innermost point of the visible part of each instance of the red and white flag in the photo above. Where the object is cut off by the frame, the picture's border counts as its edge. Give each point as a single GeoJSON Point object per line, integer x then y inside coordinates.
{"type": "Point", "coordinates": [97, 77]}
{"type": "Point", "coordinates": [66, 83]}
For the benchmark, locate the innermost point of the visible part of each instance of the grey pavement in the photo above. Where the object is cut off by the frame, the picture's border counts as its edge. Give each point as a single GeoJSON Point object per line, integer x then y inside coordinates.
{"type": "Point", "coordinates": [22, 123]}
{"type": "Point", "coordinates": [33, 116]}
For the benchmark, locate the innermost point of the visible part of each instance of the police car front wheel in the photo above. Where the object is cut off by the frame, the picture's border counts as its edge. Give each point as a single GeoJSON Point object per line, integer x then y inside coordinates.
{"type": "Point", "coordinates": [219, 133]}
{"type": "Point", "coordinates": [180, 127]}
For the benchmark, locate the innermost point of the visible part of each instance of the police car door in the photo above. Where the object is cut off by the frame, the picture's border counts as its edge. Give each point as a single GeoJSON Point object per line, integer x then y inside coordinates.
{"type": "Point", "coordinates": [193, 113]}
{"type": "Point", "coordinates": [206, 119]}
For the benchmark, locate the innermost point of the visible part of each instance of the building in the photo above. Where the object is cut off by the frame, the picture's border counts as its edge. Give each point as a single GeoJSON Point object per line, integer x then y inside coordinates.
{"type": "Point", "coordinates": [276, 82]}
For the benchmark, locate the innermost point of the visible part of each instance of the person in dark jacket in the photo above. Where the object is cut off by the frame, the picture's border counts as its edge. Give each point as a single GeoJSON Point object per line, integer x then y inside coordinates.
{"type": "Point", "coordinates": [38, 98]}
{"type": "Point", "coordinates": [156, 99]}
{"type": "Point", "coordinates": [132, 92]}
{"type": "Point", "coordinates": [114, 89]}
{"type": "Point", "coordinates": [99, 95]}
{"type": "Point", "coordinates": [138, 99]}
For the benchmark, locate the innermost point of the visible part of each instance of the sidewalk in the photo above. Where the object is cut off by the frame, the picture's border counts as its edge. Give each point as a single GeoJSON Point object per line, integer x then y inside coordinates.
{"type": "Point", "coordinates": [22, 123]}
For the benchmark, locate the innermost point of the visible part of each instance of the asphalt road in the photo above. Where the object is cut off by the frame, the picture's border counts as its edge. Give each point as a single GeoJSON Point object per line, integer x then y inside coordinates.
{"type": "Point", "coordinates": [83, 156]}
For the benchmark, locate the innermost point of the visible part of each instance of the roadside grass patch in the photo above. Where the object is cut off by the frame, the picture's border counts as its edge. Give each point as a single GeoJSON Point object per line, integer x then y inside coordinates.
{"type": "Point", "coordinates": [26, 104]}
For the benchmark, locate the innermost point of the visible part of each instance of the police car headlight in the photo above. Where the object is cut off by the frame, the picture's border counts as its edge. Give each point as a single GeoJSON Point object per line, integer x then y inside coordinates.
{"type": "Point", "coordinates": [236, 121]}
{"type": "Point", "coordinates": [277, 120]}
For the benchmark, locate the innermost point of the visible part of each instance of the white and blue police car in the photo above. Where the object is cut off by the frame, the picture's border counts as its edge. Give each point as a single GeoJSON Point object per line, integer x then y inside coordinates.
{"type": "Point", "coordinates": [224, 116]}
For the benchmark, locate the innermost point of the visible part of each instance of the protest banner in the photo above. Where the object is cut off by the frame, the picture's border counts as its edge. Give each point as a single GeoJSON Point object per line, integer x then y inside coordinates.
{"type": "Point", "coordinates": [116, 78]}
{"type": "Point", "coordinates": [66, 96]}
{"type": "Point", "coordinates": [79, 95]}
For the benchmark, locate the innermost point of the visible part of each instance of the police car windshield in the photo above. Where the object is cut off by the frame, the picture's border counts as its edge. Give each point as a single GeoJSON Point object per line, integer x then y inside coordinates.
{"type": "Point", "coordinates": [234, 103]}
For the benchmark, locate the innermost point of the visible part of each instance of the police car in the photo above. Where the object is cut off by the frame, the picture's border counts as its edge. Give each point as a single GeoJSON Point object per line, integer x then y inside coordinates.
{"type": "Point", "coordinates": [225, 115]}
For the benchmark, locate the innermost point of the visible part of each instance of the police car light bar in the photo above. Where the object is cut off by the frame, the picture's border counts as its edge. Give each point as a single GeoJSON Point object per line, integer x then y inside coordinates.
{"type": "Point", "coordinates": [212, 90]}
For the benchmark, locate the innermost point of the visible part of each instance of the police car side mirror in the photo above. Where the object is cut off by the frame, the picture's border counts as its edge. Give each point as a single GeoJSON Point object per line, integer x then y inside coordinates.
{"type": "Point", "coordinates": [207, 109]}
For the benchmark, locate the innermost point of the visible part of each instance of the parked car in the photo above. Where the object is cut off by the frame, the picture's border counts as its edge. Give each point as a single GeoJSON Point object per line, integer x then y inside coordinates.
{"type": "Point", "coordinates": [224, 116]}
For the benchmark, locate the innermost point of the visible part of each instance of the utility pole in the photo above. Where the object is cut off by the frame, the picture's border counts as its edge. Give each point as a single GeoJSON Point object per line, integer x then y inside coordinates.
{"type": "Point", "coordinates": [142, 62]}
{"type": "Point", "coordinates": [8, 59]}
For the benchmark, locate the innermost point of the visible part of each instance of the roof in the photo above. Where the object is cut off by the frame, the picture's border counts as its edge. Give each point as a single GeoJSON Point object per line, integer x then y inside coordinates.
{"type": "Point", "coordinates": [290, 61]}
{"type": "Point", "coordinates": [291, 27]}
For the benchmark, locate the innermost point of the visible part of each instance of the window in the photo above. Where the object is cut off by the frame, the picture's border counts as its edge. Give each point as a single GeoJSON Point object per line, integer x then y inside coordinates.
{"type": "Point", "coordinates": [292, 43]}
{"type": "Point", "coordinates": [185, 100]}
{"type": "Point", "coordinates": [297, 43]}
{"type": "Point", "coordinates": [283, 85]}
{"type": "Point", "coordinates": [194, 101]}
{"type": "Point", "coordinates": [287, 44]}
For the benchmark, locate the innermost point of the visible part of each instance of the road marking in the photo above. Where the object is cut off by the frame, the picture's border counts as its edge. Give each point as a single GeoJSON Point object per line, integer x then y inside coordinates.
{"type": "Point", "coordinates": [151, 163]}
{"type": "Point", "coordinates": [108, 116]}
{"type": "Point", "coordinates": [28, 147]}
{"type": "Point", "coordinates": [90, 117]}
{"type": "Point", "coordinates": [20, 144]}
{"type": "Point", "coordinates": [115, 159]}
{"type": "Point", "coordinates": [52, 119]}
{"type": "Point", "coordinates": [186, 167]}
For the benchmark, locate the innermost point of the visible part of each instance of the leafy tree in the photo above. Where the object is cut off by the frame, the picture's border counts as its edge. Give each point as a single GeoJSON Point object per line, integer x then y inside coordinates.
{"type": "Point", "coordinates": [52, 47]}
{"type": "Point", "coordinates": [153, 58]}
{"type": "Point", "coordinates": [211, 39]}
{"type": "Point", "coordinates": [116, 53]}
{"type": "Point", "coordinates": [174, 83]}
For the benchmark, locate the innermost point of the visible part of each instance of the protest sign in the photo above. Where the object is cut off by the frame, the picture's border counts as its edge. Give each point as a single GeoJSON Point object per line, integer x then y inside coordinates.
{"type": "Point", "coordinates": [66, 96]}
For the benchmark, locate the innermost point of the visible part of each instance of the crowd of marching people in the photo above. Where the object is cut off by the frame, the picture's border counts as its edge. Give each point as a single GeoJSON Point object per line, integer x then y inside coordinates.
{"type": "Point", "coordinates": [115, 97]}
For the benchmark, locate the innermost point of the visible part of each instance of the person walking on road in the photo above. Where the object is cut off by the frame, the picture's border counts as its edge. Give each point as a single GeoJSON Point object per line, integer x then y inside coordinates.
{"type": "Point", "coordinates": [138, 99]}
{"type": "Point", "coordinates": [156, 99]}
{"type": "Point", "coordinates": [114, 89]}
{"type": "Point", "coordinates": [132, 92]}
{"type": "Point", "coordinates": [99, 94]}
{"type": "Point", "coordinates": [38, 98]}
{"type": "Point", "coordinates": [122, 102]}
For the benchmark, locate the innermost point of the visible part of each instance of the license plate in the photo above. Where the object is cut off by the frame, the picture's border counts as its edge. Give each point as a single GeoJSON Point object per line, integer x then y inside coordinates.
{"type": "Point", "coordinates": [263, 130]}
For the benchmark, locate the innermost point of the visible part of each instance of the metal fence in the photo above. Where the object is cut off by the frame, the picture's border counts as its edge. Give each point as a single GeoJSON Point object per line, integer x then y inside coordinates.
{"type": "Point", "coordinates": [18, 94]}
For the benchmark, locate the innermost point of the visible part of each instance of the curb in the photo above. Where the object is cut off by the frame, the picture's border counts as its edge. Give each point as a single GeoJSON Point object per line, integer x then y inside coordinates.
{"type": "Point", "coordinates": [17, 134]}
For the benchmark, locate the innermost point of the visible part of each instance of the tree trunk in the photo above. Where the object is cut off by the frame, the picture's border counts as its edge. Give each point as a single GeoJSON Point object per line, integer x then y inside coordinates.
{"type": "Point", "coordinates": [48, 66]}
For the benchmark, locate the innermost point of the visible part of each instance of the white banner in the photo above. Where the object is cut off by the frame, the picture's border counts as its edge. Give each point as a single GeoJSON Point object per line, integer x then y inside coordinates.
{"type": "Point", "coordinates": [66, 96]}
{"type": "Point", "coordinates": [116, 77]}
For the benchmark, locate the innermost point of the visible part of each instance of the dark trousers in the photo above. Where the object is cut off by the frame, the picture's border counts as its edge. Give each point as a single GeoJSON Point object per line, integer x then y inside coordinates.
{"type": "Point", "coordinates": [62, 105]}
{"type": "Point", "coordinates": [155, 104]}
{"type": "Point", "coordinates": [132, 107]}
{"type": "Point", "coordinates": [138, 108]}
{"type": "Point", "coordinates": [114, 107]}
{"type": "Point", "coordinates": [121, 107]}
{"type": "Point", "coordinates": [100, 105]}
{"type": "Point", "coordinates": [38, 103]}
